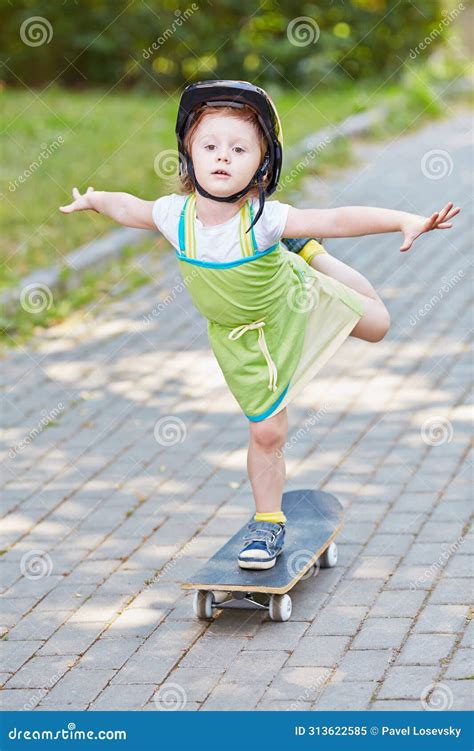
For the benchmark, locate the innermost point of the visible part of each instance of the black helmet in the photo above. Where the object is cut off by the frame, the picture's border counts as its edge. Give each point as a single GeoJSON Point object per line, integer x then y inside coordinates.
{"type": "Point", "coordinates": [233, 94]}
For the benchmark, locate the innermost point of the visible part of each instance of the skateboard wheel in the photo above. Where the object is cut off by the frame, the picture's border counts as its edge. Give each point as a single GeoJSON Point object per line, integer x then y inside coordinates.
{"type": "Point", "coordinates": [279, 607]}
{"type": "Point", "coordinates": [329, 557]}
{"type": "Point", "coordinates": [220, 596]}
{"type": "Point", "coordinates": [202, 603]}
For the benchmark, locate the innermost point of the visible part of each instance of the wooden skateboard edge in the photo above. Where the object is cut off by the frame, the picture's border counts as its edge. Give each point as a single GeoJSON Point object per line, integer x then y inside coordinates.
{"type": "Point", "coordinates": [265, 590]}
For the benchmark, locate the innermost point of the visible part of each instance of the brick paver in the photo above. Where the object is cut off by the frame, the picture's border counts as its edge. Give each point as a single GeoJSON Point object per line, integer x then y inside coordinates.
{"type": "Point", "coordinates": [107, 508]}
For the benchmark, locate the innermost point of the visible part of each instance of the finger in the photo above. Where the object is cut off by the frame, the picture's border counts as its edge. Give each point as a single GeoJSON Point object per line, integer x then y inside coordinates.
{"type": "Point", "coordinates": [445, 210]}
{"type": "Point", "coordinates": [452, 213]}
{"type": "Point", "coordinates": [444, 226]}
{"type": "Point", "coordinates": [431, 221]}
{"type": "Point", "coordinates": [89, 189]}
{"type": "Point", "coordinates": [76, 193]}
{"type": "Point", "coordinates": [406, 245]}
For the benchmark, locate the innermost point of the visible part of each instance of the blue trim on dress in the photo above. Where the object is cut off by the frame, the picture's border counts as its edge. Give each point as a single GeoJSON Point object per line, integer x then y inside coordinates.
{"type": "Point", "coordinates": [229, 264]}
{"type": "Point", "coordinates": [181, 242]}
{"type": "Point", "coordinates": [271, 409]}
{"type": "Point", "coordinates": [254, 242]}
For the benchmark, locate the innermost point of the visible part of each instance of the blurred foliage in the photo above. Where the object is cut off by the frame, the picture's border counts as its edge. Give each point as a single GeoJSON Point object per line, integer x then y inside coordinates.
{"type": "Point", "coordinates": [165, 43]}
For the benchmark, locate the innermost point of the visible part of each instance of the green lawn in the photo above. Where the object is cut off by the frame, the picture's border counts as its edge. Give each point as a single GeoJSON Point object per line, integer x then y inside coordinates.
{"type": "Point", "coordinates": [110, 141]}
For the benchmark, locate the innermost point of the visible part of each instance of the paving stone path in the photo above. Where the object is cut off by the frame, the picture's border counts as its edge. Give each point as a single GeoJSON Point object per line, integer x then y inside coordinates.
{"type": "Point", "coordinates": [125, 469]}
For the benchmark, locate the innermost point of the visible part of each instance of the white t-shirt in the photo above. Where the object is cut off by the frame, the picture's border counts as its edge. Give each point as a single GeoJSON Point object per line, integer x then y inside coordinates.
{"type": "Point", "coordinates": [221, 242]}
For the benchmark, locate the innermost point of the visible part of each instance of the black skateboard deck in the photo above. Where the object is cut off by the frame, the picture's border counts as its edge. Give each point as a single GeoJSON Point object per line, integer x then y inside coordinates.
{"type": "Point", "coordinates": [313, 520]}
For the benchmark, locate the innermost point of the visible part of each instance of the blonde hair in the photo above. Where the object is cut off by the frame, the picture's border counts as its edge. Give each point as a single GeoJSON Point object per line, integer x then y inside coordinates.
{"type": "Point", "coordinates": [184, 183]}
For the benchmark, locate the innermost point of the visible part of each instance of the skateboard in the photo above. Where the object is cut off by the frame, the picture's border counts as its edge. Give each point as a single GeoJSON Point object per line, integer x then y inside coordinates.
{"type": "Point", "coordinates": [313, 520]}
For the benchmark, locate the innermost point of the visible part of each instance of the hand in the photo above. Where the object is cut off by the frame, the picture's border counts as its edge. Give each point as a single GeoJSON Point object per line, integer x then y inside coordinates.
{"type": "Point", "coordinates": [414, 226]}
{"type": "Point", "coordinates": [81, 203]}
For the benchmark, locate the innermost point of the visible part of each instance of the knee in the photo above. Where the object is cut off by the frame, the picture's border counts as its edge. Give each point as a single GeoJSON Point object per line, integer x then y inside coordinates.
{"type": "Point", "coordinates": [383, 326]}
{"type": "Point", "coordinates": [269, 436]}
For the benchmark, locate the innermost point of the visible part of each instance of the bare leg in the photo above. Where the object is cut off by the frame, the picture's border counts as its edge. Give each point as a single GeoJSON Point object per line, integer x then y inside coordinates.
{"type": "Point", "coordinates": [265, 461]}
{"type": "Point", "coordinates": [375, 322]}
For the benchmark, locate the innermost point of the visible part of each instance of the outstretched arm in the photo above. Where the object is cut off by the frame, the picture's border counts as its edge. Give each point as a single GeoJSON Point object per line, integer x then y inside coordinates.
{"type": "Point", "coordinates": [122, 207]}
{"type": "Point", "coordinates": [354, 221]}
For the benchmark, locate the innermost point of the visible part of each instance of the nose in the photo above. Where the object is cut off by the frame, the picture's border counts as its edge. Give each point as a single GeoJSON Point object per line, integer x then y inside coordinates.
{"type": "Point", "coordinates": [222, 157]}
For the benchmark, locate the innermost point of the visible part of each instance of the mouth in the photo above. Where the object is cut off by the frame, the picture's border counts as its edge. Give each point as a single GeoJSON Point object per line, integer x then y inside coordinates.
{"type": "Point", "coordinates": [221, 173]}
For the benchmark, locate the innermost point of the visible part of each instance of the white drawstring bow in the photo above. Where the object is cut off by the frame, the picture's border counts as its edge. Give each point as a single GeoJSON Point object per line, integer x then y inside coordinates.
{"type": "Point", "coordinates": [272, 369]}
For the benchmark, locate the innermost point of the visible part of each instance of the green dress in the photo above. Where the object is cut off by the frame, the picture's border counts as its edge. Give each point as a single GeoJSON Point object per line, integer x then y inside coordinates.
{"type": "Point", "coordinates": [273, 320]}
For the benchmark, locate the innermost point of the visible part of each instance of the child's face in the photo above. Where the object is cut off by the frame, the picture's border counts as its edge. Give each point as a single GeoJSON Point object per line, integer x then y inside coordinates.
{"type": "Point", "coordinates": [228, 144]}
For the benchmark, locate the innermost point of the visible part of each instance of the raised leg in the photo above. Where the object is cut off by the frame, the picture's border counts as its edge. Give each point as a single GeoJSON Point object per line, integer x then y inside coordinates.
{"type": "Point", "coordinates": [375, 322]}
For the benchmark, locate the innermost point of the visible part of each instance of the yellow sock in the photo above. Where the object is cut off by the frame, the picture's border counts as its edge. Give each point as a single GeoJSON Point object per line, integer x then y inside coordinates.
{"type": "Point", "coordinates": [270, 516]}
{"type": "Point", "coordinates": [311, 249]}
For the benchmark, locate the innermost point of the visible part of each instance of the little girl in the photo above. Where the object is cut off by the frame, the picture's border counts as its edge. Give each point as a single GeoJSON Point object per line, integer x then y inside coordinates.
{"type": "Point", "coordinates": [275, 314]}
